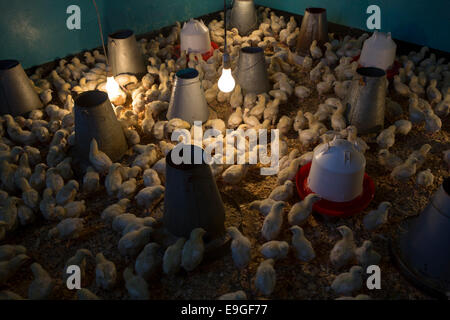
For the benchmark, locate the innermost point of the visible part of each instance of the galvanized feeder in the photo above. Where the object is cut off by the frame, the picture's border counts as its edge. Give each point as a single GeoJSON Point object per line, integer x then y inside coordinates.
{"type": "Point", "coordinates": [314, 27]}
{"type": "Point", "coordinates": [366, 100]}
{"type": "Point", "coordinates": [17, 95]}
{"type": "Point", "coordinates": [192, 198]}
{"type": "Point", "coordinates": [244, 16]}
{"type": "Point", "coordinates": [421, 247]}
{"type": "Point", "coordinates": [124, 54]}
{"type": "Point", "coordinates": [95, 118]}
{"type": "Point", "coordinates": [188, 100]}
{"type": "Point", "coordinates": [252, 71]}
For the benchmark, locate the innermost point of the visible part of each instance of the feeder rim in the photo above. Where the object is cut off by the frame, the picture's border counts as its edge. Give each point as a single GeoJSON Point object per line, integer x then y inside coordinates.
{"type": "Point", "coordinates": [252, 50]}
{"type": "Point", "coordinates": [121, 34]}
{"type": "Point", "coordinates": [315, 10]}
{"type": "Point", "coordinates": [8, 64]}
{"type": "Point", "coordinates": [92, 98]}
{"type": "Point", "coordinates": [371, 72]}
{"type": "Point", "coordinates": [188, 73]}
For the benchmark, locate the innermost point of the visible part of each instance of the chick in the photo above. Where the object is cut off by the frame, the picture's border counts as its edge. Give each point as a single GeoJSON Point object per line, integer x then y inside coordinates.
{"type": "Point", "coordinates": [366, 256]}
{"type": "Point", "coordinates": [274, 249]}
{"type": "Point", "coordinates": [403, 126]}
{"type": "Point", "coordinates": [149, 195]}
{"type": "Point", "coordinates": [302, 246]}
{"type": "Point", "coordinates": [91, 180]}
{"type": "Point", "coordinates": [266, 277]}
{"type": "Point", "coordinates": [99, 160]}
{"type": "Point", "coordinates": [86, 294]}
{"type": "Point", "coordinates": [29, 196]}
{"type": "Point", "coordinates": [69, 228]}
{"type": "Point", "coordinates": [400, 87]}
{"type": "Point", "coordinates": [235, 118]}
{"type": "Point", "coordinates": [273, 221]}
{"type": "Point", "coordinates": [105, 272]}
{"type": "Point", "coordinates": [240, 248]}
{"type": "Point", "coordinates": [67, 193]}
{"type": "Point", "coordinates": [128, 222]}
{"type": "Point", "coordinates": [7, 251]}
{"type": "Point", "coordinates": [234, 174]}
{"type": "Point", "coordinates": [425, 178]}
{"type": "Point", "coordinates": [127, 189]}
{"type": "Point", "coordinates": [343, 251]}
{"type": "Point", "coordinates": [237, 295]}
{"type": "Point", "coordinates": [42, 286]}
{"type": "Point", "coordinates": [151, 178]}
{"type": "Point", "coordinates": [193, 250]}
{"type": "Point", "coordinates": [136, 286]}
{"type": "Point", "coordinates": [264, 206]}
{"type": "Point", "coordinates": [148, 261]}
{"type": "Point", "coordinates": [404, 171]}
{"type": "Point", "coordinates": [388, 160]}
{"type": "Point", "coordinates": [236, 98]}
{"type": "Point", "coordinates": [386, 138]}
{"type": "Point", "coordinates": [133, 242]}
{"type": "Point", "coordinates": [348, 282]}
{"type": "Point", "coordinates": [10, 267]}
{"type": "Point", "coordinates": [302, 210]}
{"type": "Point", "coordinates": [420, 155]}
{"type": "Point", "coordinates": [315, 51]}
{"type": "Point", "coordinates": [433, 123]}
{"type": "Point", "coordinates": [283, 192]}
{"type": "Point", "coordinates": [376, 218]}
{"type": "Point", "coordinates": [112, 211]}
{"type": "Point", "coordinates": [37, 179]}
{"type": "Point", "coordinates": [172, 257]}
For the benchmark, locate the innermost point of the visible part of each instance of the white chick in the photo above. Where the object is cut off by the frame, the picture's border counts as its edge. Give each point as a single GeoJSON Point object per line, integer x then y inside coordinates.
{"type": "Point", "coordinates": [386, 138]}
{"type": "Point", "coordinates": [343, 251]}
{"type": "Point", "coordinates": [127, 189]}
{"type": "Point", "coordinates": [105, 272]}
{"type": "Point", "coordinates": [315, 51]}
{"type": "Point", "coordinates": [151, 178]}
{"type": "Point", "coordinates": [300, 122]}
{"type": "Point", "coordinates": [348, 282]}
{"type": "Point", "coordinates": [264, 206]}
{"type": "Point", "coordinates": [172, 257]}
{"type": "Point", "coordinates": [302, 92]}
{"type": "Point", "coordinates": [67, 193]}
{"type": "Point", "coordinates": [425, 178]}
{"type": "Point", "coordinates": [234, 174]}
{"type": "Point", "coordinates": [240, 248]}
{"type": "Point", "coordinates": [283, 192]}
{"type": "Point", "coordinates": [377, 217]}
{"type": "Point", "coordinates": [235, 118]}
{"type": "Point", "coordinates": [403, 126]}
{"type": "Point", "coordinates": [42, 286]}
{"type": "Point", "coordinates": [406, 170]}
{"type": "Point", "coordinates": [388, 159]}
{"type": "Point", "coordinates": [149, 195]}
{"type": "Point", "coordinates": [302, 209]}
{"type": "Point", "coordinates": [433, 123]}
{"type": "Point", "coordinates": [99, 160]}
{"type": "Point", "coordinates": [136, 286]}
{"type": "Point", "coordinates": [274, 249]}
{"type": "Point", "coordinates": [302, 246]}
{"type": "Point", "coordinates": [192, 254]}
{"type": "Point", "coordinates": [69, 228]}
{"type": "Point", "coordinates": [400, 87]}
{"type": "Point", "coordinates": [236, 99]}
{"type": "Point", "coordinates": [266, 277]}
{"type": "Point", "coordinates": [91, 180]}
{"type": "Point", "coordinates": [132, 242]}
{"type": "Point", "coordinates": [148, 261]}
{"type": "Point", "coordinates": [273, 221]}
{"type": "Point", "coordinates": [112, 211]}
{"type": "Point", "coordinates": [366, 256]}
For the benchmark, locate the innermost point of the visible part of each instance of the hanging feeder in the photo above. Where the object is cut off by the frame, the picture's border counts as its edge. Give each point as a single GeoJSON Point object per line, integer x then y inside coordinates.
{"type": "Point", "coordinates": [366, 100]}
{"type": "Point", "coordinates": [314, 27]}
{"type": "Point", "coordinates": [244, 16]}
{"type": "Point", "coordinates": [252, 71]}
{"type": "Point", "coordinates": [17, 95]}
{"type": "Point", "coordinates": [378, 51]}
{"type": "Point", "coordinates": [194, 37]}
{"type": "Point", "coordinates": [188, 100]}
{"type": "Point", "coordinates": [124, 54]}
{"type": "Point", "coordinates": [420, 247]}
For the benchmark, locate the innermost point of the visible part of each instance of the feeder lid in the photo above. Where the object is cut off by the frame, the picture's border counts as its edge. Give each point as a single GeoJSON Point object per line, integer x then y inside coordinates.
{"type": "Point", "coordinates": [339, 156]}
{"type": "Point", "coordinates": [194, 27]}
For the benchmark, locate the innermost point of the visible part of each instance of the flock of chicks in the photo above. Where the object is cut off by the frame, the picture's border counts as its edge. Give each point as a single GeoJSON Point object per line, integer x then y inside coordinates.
{"type": "Point", "coordinates": [33, 185]}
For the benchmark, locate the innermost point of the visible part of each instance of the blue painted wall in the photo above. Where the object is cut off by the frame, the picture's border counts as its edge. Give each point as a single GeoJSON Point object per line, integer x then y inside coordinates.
{"type": "Point", "coordinates": [425, 22]}
{"type": "Point", "coordinates": [35, 32]}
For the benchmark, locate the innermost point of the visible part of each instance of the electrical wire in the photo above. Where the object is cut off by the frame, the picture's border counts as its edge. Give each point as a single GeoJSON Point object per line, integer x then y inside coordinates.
{"type": "Point", "coordinates": [101, 31]}
{"type": "Point", "coordinates": [225, 24]}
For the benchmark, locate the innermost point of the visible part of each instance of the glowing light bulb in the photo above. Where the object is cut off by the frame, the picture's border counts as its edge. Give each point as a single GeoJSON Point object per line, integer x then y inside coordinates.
{"type": "Point", "coordinates": [226, 81]}
{"type": "Point", "coordinates": [113, 88]}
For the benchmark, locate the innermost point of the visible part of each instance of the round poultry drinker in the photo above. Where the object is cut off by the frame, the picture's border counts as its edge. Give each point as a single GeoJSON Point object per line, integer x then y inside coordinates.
{"type": "Point", "coordinates": [421, 245]}
{"type": "Point", "coordinates": [188, 100]}
{"type": "Point", "coordinates": [17, 95]}
{"type": "Point", "coordinates": [378, 51]}
{"type": "Point", "coordinates": [244, 16]}
{"type": "Point", "coordinates": [194, 37]}
{"type": "Point", "coordinates": [124, 54]}
{"type": "Point", "coordinates": [95, 118]}
{"type": "Point", "coordinates": [337, 171]}
{"type": "Point", "coordinates": [192, 199]}
{"type": "Point", "coordinates": [314, 27]}
{"type": "Point", "coordinates": [366, 99]}
{"type": "Point", "coordinates": [252, 71]}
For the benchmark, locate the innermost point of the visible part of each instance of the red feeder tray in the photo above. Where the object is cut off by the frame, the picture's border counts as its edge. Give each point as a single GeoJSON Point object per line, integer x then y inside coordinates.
{"type": "Point", "coordinates": [205, 55]}
{"type": "Point", "coordinates": [390, 73]}
{"type": "Point", "coordinates": [331, 208]}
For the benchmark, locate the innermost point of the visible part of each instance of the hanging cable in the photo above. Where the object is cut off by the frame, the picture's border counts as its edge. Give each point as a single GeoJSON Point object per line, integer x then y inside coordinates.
{"type": "Point", "coordinates": [101, 32]}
